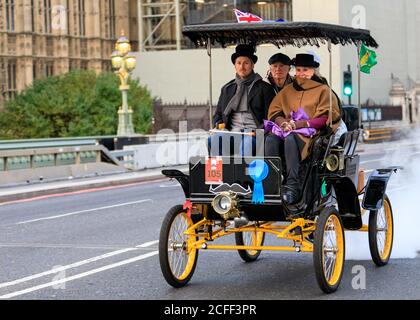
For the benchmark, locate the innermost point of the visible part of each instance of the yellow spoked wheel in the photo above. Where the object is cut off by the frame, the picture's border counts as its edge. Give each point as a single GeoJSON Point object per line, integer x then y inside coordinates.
{"type": "Point", "coordinates": [381, 233]}
{"type": "Point", "coordinates": [177, 258]}
{"type": "Point", "coordinates": [329, 250]}
{"type": "Point", "coordinates": [249, 238]}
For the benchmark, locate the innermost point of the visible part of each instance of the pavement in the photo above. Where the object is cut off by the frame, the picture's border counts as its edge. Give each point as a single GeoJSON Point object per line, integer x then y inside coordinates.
{"type": "Point", "coordinates": [32, 190]}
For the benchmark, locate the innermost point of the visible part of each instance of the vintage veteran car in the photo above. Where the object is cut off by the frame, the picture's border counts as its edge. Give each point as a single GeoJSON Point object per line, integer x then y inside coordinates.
{"type": "Point", "coordinates": [334, 195]}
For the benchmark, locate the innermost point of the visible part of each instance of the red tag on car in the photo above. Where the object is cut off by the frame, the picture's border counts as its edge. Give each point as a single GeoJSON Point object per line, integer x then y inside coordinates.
{"type": "Point", "coordinates": [214, 171]}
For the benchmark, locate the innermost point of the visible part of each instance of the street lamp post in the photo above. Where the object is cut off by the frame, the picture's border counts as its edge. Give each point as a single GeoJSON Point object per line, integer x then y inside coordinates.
{"type": "Point", "coordinates": [124, 62]}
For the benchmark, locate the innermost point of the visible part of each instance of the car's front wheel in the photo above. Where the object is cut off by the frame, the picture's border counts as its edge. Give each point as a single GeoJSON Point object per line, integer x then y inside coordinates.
{"type": "Point", "coordinates": [329, 250]}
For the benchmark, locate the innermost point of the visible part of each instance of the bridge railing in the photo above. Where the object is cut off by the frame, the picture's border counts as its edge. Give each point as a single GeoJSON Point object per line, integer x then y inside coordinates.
{"type": "Point", "coordinates": [47, 143]}
{"type": "Point", "coordinates": [126, 157]}
{"type": "Point", "coordinates": [49, 157]}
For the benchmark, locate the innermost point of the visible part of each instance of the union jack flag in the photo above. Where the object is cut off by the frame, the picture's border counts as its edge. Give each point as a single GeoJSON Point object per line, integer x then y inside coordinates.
{"type": "Point", "coordinates": [246, 17]}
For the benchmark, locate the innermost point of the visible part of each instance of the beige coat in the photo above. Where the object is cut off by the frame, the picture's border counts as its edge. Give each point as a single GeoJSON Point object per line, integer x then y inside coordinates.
{"type": "Point", "coordinates": [314, 99]}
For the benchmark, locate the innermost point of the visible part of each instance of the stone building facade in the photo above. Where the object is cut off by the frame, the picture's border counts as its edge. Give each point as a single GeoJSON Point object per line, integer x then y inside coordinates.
{"type": "Point", "coordinates": [408, 99]}
{"type": "Point", "coordinates": [40, 38]}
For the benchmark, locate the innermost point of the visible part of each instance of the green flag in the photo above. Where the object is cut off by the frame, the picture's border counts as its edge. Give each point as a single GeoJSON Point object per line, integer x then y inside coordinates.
{"type": "Point", "coordinates": [367, 59]}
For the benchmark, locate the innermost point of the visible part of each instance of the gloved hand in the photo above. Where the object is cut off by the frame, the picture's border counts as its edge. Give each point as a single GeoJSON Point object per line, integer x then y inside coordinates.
{"type": "Point", "coordinates": [288, 126]}
{"type": "Point", "coordinates": [220, 126]}
{"type": "Point", "coordinates": [285, 124]}
{"type": "Point", "coordinates": [301, 124]}
{"type": "Point", "coordinates": [280, 120]}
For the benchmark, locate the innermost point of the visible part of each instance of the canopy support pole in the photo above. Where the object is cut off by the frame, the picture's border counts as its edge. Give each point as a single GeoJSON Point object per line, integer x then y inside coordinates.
{"type": "Point", "coordinates": [330, 82]}
{"type": "Point", "coordinates": [210, 84]}
{"type": "Point", "coordinates": [359, 106]}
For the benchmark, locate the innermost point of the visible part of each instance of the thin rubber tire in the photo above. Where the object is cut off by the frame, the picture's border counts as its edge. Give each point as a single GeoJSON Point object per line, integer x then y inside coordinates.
{"type": "Point", "coordinates": [177, 260]}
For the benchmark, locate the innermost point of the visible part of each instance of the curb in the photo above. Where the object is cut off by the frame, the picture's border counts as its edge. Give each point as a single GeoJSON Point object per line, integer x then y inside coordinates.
{"type": "Point", "coordinates": [27, 195]}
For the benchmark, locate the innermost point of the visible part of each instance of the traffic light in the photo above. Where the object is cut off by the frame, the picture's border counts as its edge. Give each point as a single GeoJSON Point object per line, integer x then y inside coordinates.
{"type": "Point", "coordinates": [347, 84]}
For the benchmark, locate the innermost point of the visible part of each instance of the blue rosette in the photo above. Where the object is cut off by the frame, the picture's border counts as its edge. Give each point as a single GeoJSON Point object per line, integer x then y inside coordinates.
{"type": "Point", "coordinates": [258, 171]}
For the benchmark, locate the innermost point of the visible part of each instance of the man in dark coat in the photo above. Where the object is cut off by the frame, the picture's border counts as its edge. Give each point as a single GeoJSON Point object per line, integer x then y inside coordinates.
{"type": "Point", "coordinates": [243, 102]}
{"type": "Point", "coordinates": [278, 75]}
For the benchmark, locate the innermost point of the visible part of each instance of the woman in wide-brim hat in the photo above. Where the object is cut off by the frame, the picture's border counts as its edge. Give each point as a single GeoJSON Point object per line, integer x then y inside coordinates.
{"type": "Point", "coordinates": [295, 115]}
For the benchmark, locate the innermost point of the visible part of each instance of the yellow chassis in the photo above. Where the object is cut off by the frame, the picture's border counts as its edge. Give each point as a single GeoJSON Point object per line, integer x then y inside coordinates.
{"type": "Point", "coordinates": [200, 240]}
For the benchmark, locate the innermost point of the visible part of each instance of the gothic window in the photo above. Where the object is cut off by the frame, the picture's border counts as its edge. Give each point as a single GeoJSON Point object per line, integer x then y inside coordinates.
{"type": "Point", "coordinates": [47, 16]}
{"type": "Point", "coordinates": [106, 66]}
{"type": "Point", "coordinates": [34, 73]}
{"type": "Point", "coordinates": [50, 46]}
{"type": "Point", "coordinates": [10, 15]}
{"type": "Point", "coordinates": [11, 79]}
{"type": "Point", "coordinates": [49, 69]}
{"type": "Point", "coordinates": [82, 15]}
{"type": "Point", "coordinates": [68, 16]}
{"type": "Point", "coordinates": [112, 19]}
{"type": "Point", "coordinates": [3, 77]}
{"type": "Point", "coordinates": [32, 16]}
{"type": "Point", "coordinates": [73, 65]}
{"type": "Point", "coordinates": [84, 65]}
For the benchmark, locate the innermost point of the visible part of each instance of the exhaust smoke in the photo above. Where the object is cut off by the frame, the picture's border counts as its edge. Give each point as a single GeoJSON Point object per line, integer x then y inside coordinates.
{"type": "Point", "coordinates": [404, 193]}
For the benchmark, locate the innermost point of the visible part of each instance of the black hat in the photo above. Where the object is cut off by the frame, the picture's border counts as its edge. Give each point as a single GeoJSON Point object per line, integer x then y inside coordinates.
{"type": "Point", "coordinates": [280, 57]}
{"type": "Point", "coordinates": [244, 50]}
{"type": "Point", "coordinates": [305, 60]}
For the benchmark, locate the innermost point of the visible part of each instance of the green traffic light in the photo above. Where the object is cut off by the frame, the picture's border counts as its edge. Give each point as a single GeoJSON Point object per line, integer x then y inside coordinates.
{"type": "Point", "coordinates": [347, 83]}
{"type": "Point", "coordinates": [348, 91]}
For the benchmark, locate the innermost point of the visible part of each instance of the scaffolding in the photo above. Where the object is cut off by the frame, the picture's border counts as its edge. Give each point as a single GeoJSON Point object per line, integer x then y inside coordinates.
{"type": "Point", "coordinates": [160, 21]}
{"type": "Point", "coordinates": [160, 24]}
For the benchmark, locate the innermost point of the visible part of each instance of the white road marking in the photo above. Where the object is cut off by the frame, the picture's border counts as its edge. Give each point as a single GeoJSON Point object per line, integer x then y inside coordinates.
{"type": "Point", "coordinates": [374, 160]}
{"type": "Point", "coordinates": [84, 211]}
{"type": "Point", "coordinates": [78, 276]}
{"type": "Point", "coordinates": [169, 185]}
{"type": "Point", "coordinates": [400, 188]}
{"type": "Point", "coordinates": [148, 244]}
{"type": "Point", "coordinates": [375, 148]}
{"type": "Point", "coordinates": [383, 159]}
{"type": "Point", "coordinates": [76, 264]}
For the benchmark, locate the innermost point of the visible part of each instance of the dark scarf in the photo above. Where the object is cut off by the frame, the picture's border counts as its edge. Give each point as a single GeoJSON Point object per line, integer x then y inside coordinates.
{"type": "Point", "coordinates": [277, 89]}
{"type": "Point", "coordinates": [241, 86]}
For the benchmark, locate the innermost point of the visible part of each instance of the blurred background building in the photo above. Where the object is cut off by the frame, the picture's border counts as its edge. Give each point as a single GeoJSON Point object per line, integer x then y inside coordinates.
{"type": "Point", "coordinates": [40, 38]}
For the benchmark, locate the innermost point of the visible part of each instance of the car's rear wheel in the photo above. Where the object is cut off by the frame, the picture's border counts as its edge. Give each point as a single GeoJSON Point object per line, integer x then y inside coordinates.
{"type": "Point", "coordinates": [176, 256]}
{"type": "Point", "coordinates": [329, 250]}
{"type": "Point", "coordinates": [249, 238]}
{"type": "Point", "coordinates": [381, 233]}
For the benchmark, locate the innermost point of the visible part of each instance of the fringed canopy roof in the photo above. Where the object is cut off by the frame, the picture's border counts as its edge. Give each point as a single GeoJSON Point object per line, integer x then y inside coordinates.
{"type": "Point", "coordinates": [281, 34]}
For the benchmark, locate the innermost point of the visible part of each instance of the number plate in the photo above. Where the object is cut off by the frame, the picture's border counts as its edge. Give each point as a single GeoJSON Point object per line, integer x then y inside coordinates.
{"type": "Point", "coordinates": [214, 171]}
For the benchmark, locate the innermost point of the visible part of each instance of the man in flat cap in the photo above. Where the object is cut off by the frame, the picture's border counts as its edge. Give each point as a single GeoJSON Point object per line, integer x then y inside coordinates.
{"type": "Point", "coordinates": [278, 75]}
{"type": "Point", "coordinates": [243, 102]}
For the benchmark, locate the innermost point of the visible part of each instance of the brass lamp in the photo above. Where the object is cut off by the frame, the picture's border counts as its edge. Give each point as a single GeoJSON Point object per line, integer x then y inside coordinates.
{"type": "Point", "coordinates": [123, 45]}
{"type": "Point", "coordinates": [130, 61]}
{"type": "Point", "coordinates": [116, 60]}
{"type": "Point", "coordinates": [124, 62]}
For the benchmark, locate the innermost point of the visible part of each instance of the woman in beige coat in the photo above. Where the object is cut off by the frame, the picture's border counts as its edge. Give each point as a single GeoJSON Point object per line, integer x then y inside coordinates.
{"type": "Point", "coordinates": [295, 115]}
